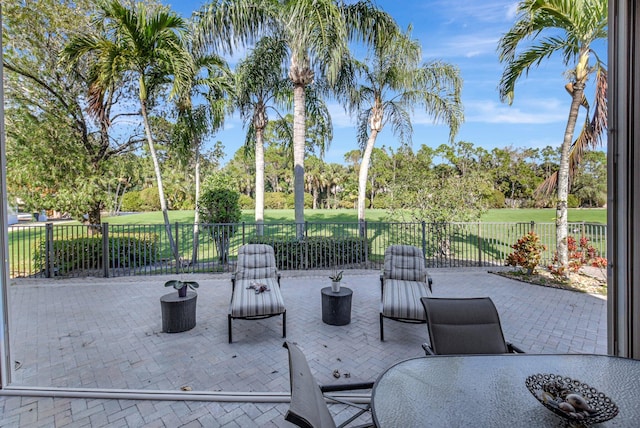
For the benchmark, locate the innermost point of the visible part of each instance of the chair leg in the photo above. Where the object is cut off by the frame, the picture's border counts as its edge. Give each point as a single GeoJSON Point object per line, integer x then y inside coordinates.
{"type": "Point", "coordinates": [230, 338]}
{"type": "Point", "coordinates": [284, 324]}
{"type": "Point", "coordinates": [381, 329]}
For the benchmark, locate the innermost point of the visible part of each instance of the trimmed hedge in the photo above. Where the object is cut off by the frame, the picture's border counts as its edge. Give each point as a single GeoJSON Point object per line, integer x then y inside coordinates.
{"type": "Point", "coordinates": [316, 252]}
{"type": "Point", "coordinates": [85, 253]}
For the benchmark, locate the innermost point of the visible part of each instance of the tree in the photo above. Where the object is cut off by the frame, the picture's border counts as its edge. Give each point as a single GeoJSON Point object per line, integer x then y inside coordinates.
{"type": "Point", "coordinates": [316, 33]}
{"type": "Point", "coordinates": [260, 86]}
{"type": "Point", "coordinates": [392, 85]}
{"type": "Point", "coordinates": [590, 182]}
{"type": "Point", "coordinates": [209, 79]}
{"type": "Point", "coordinates": [542, 29]}
{"type": "Point", "coordinates": [220, 209]}
{"type": "Point", "coordinates": [145, 44]}
{"type": "Point", "coordinates": [46, 116]}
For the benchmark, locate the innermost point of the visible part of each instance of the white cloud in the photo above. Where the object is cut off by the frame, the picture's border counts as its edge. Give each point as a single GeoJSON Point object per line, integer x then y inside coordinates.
{"type": "Point", "coordinates": [512, 11]}
{"type": "Point", "coordinates": [339, 117]}
{"type": "Point", "coordinates": [481, 12]}
{"type": "Point", "coordinates": [467, 45]}
{"type": "Point", "coordinates": [535, 111]}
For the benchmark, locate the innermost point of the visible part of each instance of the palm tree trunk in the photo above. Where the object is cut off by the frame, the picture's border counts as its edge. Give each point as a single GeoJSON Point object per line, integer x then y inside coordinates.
{"type": "Point", "coordinates": [196, 214]}
{"type": "Point", "coordinates": [298, 156]}
{"type": "Point", "coordinates": [259, 211]}
{"type": "Point", "coordinates": [156, 167]}
{"type": "Point", "coordinates": [362, 178]}
{"type": "Point", "coordinates": [563, 181]}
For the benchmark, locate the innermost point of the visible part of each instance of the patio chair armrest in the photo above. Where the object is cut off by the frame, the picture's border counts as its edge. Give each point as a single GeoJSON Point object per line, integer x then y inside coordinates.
{"type": "Point", "coordinates": [514, 349]}
{"type": "Point", "coordinates": [427, 349]}
{"type": "Point", "coordinates": [346, 386]}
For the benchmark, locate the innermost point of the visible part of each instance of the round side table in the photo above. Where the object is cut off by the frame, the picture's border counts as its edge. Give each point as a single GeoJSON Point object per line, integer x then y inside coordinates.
{"type": "Point", "coordinates": [178, 313]}
{"type": "Point", "coordinates": [336, 307]}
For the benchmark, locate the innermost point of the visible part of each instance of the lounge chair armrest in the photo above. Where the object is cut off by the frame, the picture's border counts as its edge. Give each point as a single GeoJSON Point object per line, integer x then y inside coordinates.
{"type": "Point", "coordinates": [427, 349]}
{"type": "Point", "coordinates": [346, 386]}
{"type": "Point", "coordinates": [514, 349]}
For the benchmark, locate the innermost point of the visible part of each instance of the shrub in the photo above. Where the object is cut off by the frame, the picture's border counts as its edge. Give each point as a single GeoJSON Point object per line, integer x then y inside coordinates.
{"type": "Point", "coordinates": [246, 202]}
{"type": "Point", "coordinates": [496, 199]}
{"type": "Point", "coordinates": [581, 253]}
{"type": "Point", "coordinates": [528, 251]}
{"type": "Point", "coordinates": [316, 252]}
{"type": "Point", "coordinates": [275, 200]}
{"type": "Point", "coordinates": [149, 199]}
{"type": "Point", "coordinates": [85, 252]}
{"type": "Point", "coordinates": [131, 201]}
{"type": "Point", "coordinates": [573, 201]}
{"type": "Point", "coordinates": [220, 206]}
{"type": "Point", "coordinates": [290, 200]}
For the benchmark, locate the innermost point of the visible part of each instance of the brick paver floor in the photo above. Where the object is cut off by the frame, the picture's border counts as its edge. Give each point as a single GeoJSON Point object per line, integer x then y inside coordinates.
{"type": "Point", "coordinates": [106, 334]}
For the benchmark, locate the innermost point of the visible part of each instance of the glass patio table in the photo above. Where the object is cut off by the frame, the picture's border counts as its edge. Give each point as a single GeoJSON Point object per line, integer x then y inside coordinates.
{"type": "Point", "coordinates": [490, 390]}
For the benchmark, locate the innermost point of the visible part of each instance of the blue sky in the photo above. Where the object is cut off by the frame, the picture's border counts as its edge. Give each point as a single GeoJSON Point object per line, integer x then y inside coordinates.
{"type": "Point", "coordinates": [465, 34]}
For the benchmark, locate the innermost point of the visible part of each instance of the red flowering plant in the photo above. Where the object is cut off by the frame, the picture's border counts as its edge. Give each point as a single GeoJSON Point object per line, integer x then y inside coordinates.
{"type": "Point", "coordinates": [581, 253]}
{"type": "Point", "coordinates": [527, 254]}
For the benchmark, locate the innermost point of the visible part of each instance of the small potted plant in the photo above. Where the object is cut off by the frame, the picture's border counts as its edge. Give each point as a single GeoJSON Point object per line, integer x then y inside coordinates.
{"type": "Point", "coordinates": [182, 286]}
{"type": "Point", "coordinates": [336, 277]}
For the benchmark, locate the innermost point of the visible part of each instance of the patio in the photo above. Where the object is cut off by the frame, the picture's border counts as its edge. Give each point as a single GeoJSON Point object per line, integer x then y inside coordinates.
{"type": "Point", "coordinates": [106, 333]}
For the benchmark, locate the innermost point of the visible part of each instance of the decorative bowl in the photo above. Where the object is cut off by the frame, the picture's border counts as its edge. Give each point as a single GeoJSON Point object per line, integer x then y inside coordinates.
{"type": "Point", "coordinates": [555, 392]}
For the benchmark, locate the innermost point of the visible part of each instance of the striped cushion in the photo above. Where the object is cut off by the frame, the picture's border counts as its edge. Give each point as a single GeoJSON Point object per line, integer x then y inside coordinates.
{"type": "Point", "coordinates": [401, 299]}
{"type": "Point", "coordinates": [246, 303]}
{"type": "Point", "coordinates": [404, 262]}
{"type": "Point", "coordinates": [256, 261]}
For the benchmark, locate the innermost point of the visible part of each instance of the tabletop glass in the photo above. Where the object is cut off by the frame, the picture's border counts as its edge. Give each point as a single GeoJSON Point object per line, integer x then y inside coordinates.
{"type": "Point", "coordinates": [490, 390]}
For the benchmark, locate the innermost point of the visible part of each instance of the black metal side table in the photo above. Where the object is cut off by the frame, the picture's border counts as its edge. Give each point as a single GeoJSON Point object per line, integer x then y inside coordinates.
{"type": "Point", "coordinates": [336, 306]}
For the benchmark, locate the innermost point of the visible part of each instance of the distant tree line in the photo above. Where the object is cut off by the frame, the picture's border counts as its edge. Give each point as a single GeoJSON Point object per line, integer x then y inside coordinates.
{"type": "Point", "coordinates": [448, 183]}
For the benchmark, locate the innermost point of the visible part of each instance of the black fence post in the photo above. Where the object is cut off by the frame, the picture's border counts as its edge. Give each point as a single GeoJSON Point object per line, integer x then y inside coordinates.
{"type": "Point", "coordinates": [366, 244]}
{"type": "Point", "coordinates": [479, 244]}
{"type": "Point", "coordinates": [533, 226]}
{"type": "Point", "coordinates": [305, 246]}
{"type": "Point", "coordinates": [105, 250]}
{"type": "Point", "coordinates": [177, 254]}
{"type": "Point", "coordinates": [243, 234]}
{"type": "Point", "coordinates": [424, 238]}
{"type": "Point", "coordinates": [48, 253]}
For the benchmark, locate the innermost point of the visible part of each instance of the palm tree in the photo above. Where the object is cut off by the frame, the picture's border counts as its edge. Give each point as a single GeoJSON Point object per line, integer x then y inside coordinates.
{"type": "Point", "coordinates": [210, 80]}
{"type": "Point", "coordinates": [392, 85]}
{"type": "Point", "coordinates": [568, 28]}
{"type": "Point", "coordinates": [316, 33]}
{"type": "Point", "coordinates": [260, 85]}
{"type": "Point", "coordinates": [134, 42]}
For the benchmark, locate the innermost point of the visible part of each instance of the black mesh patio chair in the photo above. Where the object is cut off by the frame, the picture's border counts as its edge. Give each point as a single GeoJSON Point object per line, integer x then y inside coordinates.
{"type": "Point", "coordinates": [255, 287]}
{"type": "Point", "coordinates": [464, 326]}
{"type": "Point", "coordinates": [403, 282]}
{"type": "Point", "coordinates": [308, 408]}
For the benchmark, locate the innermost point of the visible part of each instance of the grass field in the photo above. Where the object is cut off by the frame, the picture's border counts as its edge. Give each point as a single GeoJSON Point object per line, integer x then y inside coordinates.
{"type": "Point", "coordinates": [598, 215]}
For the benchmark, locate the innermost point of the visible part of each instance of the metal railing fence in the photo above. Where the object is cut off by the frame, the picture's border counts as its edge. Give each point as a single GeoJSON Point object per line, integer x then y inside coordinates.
{"type": "Point", "coordinates": [126, 250]}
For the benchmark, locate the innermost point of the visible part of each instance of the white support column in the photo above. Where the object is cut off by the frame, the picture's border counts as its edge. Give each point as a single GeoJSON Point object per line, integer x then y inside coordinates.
{"type": "Point", "coordinates": [623, 154]}
{"type": "Point", "coordinates": [5, 368]}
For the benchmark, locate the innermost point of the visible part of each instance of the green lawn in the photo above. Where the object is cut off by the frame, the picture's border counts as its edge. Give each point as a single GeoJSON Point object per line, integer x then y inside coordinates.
{"type": "Point", "coordinates": [598, 215]}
